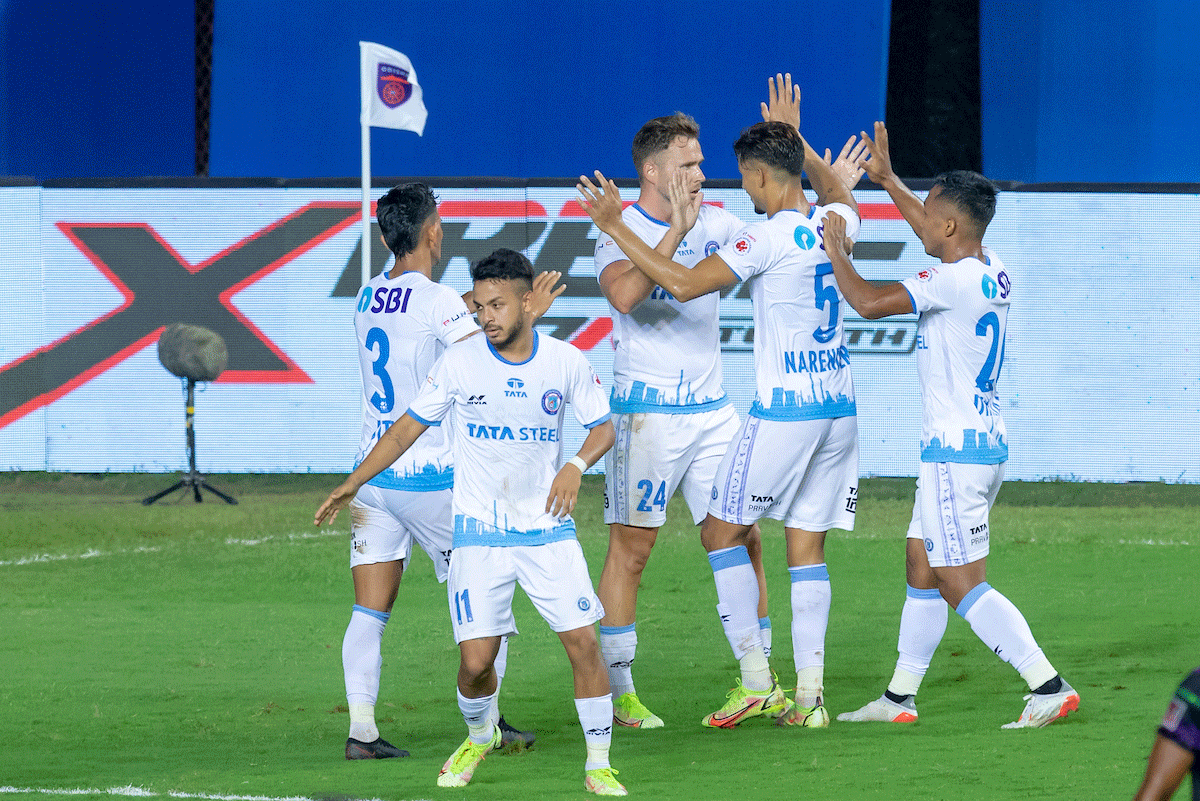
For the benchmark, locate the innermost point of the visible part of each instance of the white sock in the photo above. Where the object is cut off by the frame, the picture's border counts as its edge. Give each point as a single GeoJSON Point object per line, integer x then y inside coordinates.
{"type": "Point", "coordinates": [618, 645]}
{"type": "Point", "coordinates": [500, 665]}
{"type": "Point", "coordinates": [764, 632]}
{"type": "Point", "coordinates": [596, 716]}
{"type": "Point", "coordinates": [1002, 627]}
{"type": "Point", "coordinates": [922, 625]}
{"type": "Point", "coordinates": [361, 665]}
{"type": "Point", "coordinates": [737, 604]}
{"type": "Point", "coordinates": [476, 714]}
{"type": "Point", "coordinates": [811, 598]}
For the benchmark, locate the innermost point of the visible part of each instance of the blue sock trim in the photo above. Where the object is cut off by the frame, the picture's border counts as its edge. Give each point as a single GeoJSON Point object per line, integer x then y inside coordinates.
{"type": "Point", "coordinates": [729, 557]}
{"type": "Point", "coordinates": [809, 573]}
{"type": "Point", "coordinates": [913, 592]}
{"type": "Point", "coordinates": [971, 597]}
{"type": "Point", "coordinates": [764, 622]}
{"type": "Point", "coordinates": [618, 629]}
{"type": "Point", "coordinates": [375, 613]}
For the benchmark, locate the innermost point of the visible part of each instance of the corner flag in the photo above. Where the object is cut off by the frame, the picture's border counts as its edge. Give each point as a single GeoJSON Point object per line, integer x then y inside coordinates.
{"type": "Point", "coordinates": [391, 98]}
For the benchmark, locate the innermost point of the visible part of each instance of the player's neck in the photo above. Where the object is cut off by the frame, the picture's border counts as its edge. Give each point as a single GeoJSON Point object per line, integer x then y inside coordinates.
{"type": "Point", "coordinates": [521, 348]}
{"type": "Point", "coordinates": [787, 197]}
{"type": "Point", "coordinates": [654, 204]}
{"type": "Point", "coordinates": [418, 261]}
{"type": "Point", "coordinates": [957, 251]}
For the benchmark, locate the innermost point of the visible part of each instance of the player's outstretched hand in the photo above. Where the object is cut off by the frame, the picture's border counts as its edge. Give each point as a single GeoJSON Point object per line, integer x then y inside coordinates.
{"type": "Point", "coordinates": [338, 499]}
{"type": "Point", "coordinates": [833, 231]}
{"type": "Point", "coordinates": [783, 101]}
{"type": "Point", "coordinates": [545, 291]}
{"type": "Point", "coordinates": [601, 201]}
{"type": "Point", "coordinates": [846, 166]}
{"type": "Point", "coordinates": [877, 161]}
{"type": "Point", "coordinates": [685, 207]}
{"type": "Point", "coordinates": [564, 491]}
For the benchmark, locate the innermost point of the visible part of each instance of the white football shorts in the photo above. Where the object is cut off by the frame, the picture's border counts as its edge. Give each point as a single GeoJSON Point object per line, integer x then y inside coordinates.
{"type": "Point", "coordinates": [951, 510]}
{"type": "Point", "coordinates": [655, 454]}
{"type": "Point", "coordinates": [384, 523]}
{"type": "Point", "coordinates": [803, 472]}
{"type": "Point", "coordinates": [554, 576]}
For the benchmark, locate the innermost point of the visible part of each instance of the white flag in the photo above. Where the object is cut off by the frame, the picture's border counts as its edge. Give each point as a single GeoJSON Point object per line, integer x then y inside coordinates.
{"type": "Point", "coordinates": [391, 96]}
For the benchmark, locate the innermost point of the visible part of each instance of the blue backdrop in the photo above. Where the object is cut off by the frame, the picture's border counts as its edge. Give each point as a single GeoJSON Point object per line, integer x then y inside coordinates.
{"type": "Point", "coordinates": [106, 87]}
{"type": "Point", "coordinates": [547, 90]}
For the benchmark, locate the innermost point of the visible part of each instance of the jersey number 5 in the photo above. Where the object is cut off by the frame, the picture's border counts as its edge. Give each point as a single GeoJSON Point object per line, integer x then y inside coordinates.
{"type": "Point", "coordinates": [826, 295]}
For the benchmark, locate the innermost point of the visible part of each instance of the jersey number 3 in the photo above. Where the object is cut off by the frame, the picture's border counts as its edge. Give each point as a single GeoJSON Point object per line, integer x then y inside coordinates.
{"type": "Point", "coordinates": [377, 337]}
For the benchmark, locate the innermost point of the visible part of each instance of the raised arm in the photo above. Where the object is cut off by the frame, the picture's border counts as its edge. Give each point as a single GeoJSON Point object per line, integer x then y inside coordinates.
{"type": "Point", "coordinates": [624, 285]}
{"type": "Point", "coordinates": [390, 447]}
{"type": "Point", "coordinates": [869, 300]}
{"type": "Point", "coordinates": [602, 202]}
{"type": "Point", "coordinates": [877, 162]}
{"type": "Point", "coordinates": [564, 490]}
{"type": "Point", "coordinates": [783, 105]}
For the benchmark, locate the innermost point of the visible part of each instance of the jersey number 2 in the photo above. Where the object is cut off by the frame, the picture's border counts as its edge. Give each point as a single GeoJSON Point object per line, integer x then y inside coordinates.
{"type": "Point", "coordinates": [986, 381]}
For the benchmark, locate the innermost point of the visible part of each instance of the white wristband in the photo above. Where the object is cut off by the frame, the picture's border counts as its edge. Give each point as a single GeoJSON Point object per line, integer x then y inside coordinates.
{"type": "Point", "coordinates": [582, 465]}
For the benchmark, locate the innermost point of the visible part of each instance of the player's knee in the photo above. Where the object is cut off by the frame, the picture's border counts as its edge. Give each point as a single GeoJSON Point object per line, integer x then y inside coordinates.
{"type": "Point", "coordinates": [630, 547]}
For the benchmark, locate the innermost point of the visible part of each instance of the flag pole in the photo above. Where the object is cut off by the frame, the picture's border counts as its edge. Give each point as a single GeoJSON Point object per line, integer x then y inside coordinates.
{"type": "Point", "coordinates": [366, 203]}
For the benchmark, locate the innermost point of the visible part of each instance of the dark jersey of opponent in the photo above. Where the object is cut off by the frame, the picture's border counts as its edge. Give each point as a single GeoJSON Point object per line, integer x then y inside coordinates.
{"type": "Point", "coordinates": [1181, 724]}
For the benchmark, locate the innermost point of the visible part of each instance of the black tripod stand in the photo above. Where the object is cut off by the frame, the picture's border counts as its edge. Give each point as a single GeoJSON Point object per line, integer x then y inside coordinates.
{"type": "Point", "coordinates": [191, 478]}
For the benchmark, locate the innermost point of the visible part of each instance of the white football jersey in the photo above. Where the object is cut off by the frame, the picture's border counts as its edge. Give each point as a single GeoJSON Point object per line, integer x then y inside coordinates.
{"type": "Point", "coordinates": [668, 353]}
{"type": "Point", "coordinates": [960, 350]}
{"type": "Point", "coordinates": [507, 434]}
{"type": "Point", "coordinates": [404, 322]}
{"type": "Point", "coordinates": [801, 362]}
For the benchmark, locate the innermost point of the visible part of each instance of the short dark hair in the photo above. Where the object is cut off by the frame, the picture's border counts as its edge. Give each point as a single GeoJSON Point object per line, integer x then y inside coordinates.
{"type": "Point", "coordinates": [504, 265]}
{"type": "Point", "coordinates": [402, 213]}
{"type": "Point", "coordinates": [657, 135]}
{"type": "Point", "coordinates": [972, 193]}
{"type": "Point", "coordinates": [775, 144]}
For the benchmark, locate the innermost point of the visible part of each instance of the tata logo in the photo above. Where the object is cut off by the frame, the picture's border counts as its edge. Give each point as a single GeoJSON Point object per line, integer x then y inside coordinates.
{"type": "Point", "coordinates": [762, 498]}
{"type": "Point", "coordinates": [514, 389]}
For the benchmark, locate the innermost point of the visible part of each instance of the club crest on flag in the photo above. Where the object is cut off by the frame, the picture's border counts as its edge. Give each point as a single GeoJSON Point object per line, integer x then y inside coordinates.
{"type": "Point", "coordinates": [393, 85]}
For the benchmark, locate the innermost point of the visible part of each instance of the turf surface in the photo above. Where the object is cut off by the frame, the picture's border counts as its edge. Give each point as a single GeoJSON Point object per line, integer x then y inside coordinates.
{"type": "Point", "coordinates": [196, 649]}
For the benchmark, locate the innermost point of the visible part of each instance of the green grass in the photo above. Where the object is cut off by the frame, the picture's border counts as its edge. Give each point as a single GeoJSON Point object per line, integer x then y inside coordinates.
{"type": "Point", "coordinates": [197, 649]}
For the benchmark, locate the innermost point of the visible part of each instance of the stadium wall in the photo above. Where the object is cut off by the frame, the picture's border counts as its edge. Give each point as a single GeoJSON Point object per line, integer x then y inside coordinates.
{"type": "Point", "coordinates": [1101, 378]}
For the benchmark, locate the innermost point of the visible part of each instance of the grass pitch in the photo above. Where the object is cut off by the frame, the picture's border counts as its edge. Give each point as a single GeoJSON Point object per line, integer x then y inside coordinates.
{"type": "Point", "coordinates": [195, 649]}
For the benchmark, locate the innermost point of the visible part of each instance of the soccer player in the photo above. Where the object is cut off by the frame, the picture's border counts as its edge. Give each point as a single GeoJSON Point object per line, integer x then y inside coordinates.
{"type": "Point", "coordinates": [512, 503]}
{"type": "Point", "coordinates": [670, 411]}
{"type": "Point", "coordinates": [795, 458]}
{"type": "Point", "coordinates": [1176, 746]}
{"type": "Point", "coordinates": [403, 321]}
{"type": "Point", "coordinates": [963, 306]}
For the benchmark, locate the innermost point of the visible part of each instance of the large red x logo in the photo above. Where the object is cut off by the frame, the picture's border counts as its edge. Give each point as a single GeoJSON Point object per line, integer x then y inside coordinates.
{"type": "Point", "coordinates": [160, 287]}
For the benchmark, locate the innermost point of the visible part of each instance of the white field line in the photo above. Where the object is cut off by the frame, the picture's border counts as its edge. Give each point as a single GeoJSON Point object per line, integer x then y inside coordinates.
{"type": "Point", "coordinates": [92, 553]}
{"type": "Point", "coordinates": [129, 791]}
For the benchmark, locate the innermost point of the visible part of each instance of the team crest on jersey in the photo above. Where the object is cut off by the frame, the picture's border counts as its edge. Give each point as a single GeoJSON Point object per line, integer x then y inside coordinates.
{"type": "Point", "coordinates": [743, 243]}
{"type": "Point", "coordinates": [804, 237]}
{"type": "Point", "coordinates": [710, 248]}
{"type": "Point", "coordinates": [552, 401]}
{"type": "Point", "coordinates": [584, 604]}
{"type": "Point", "coordinates": [393, 85]}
